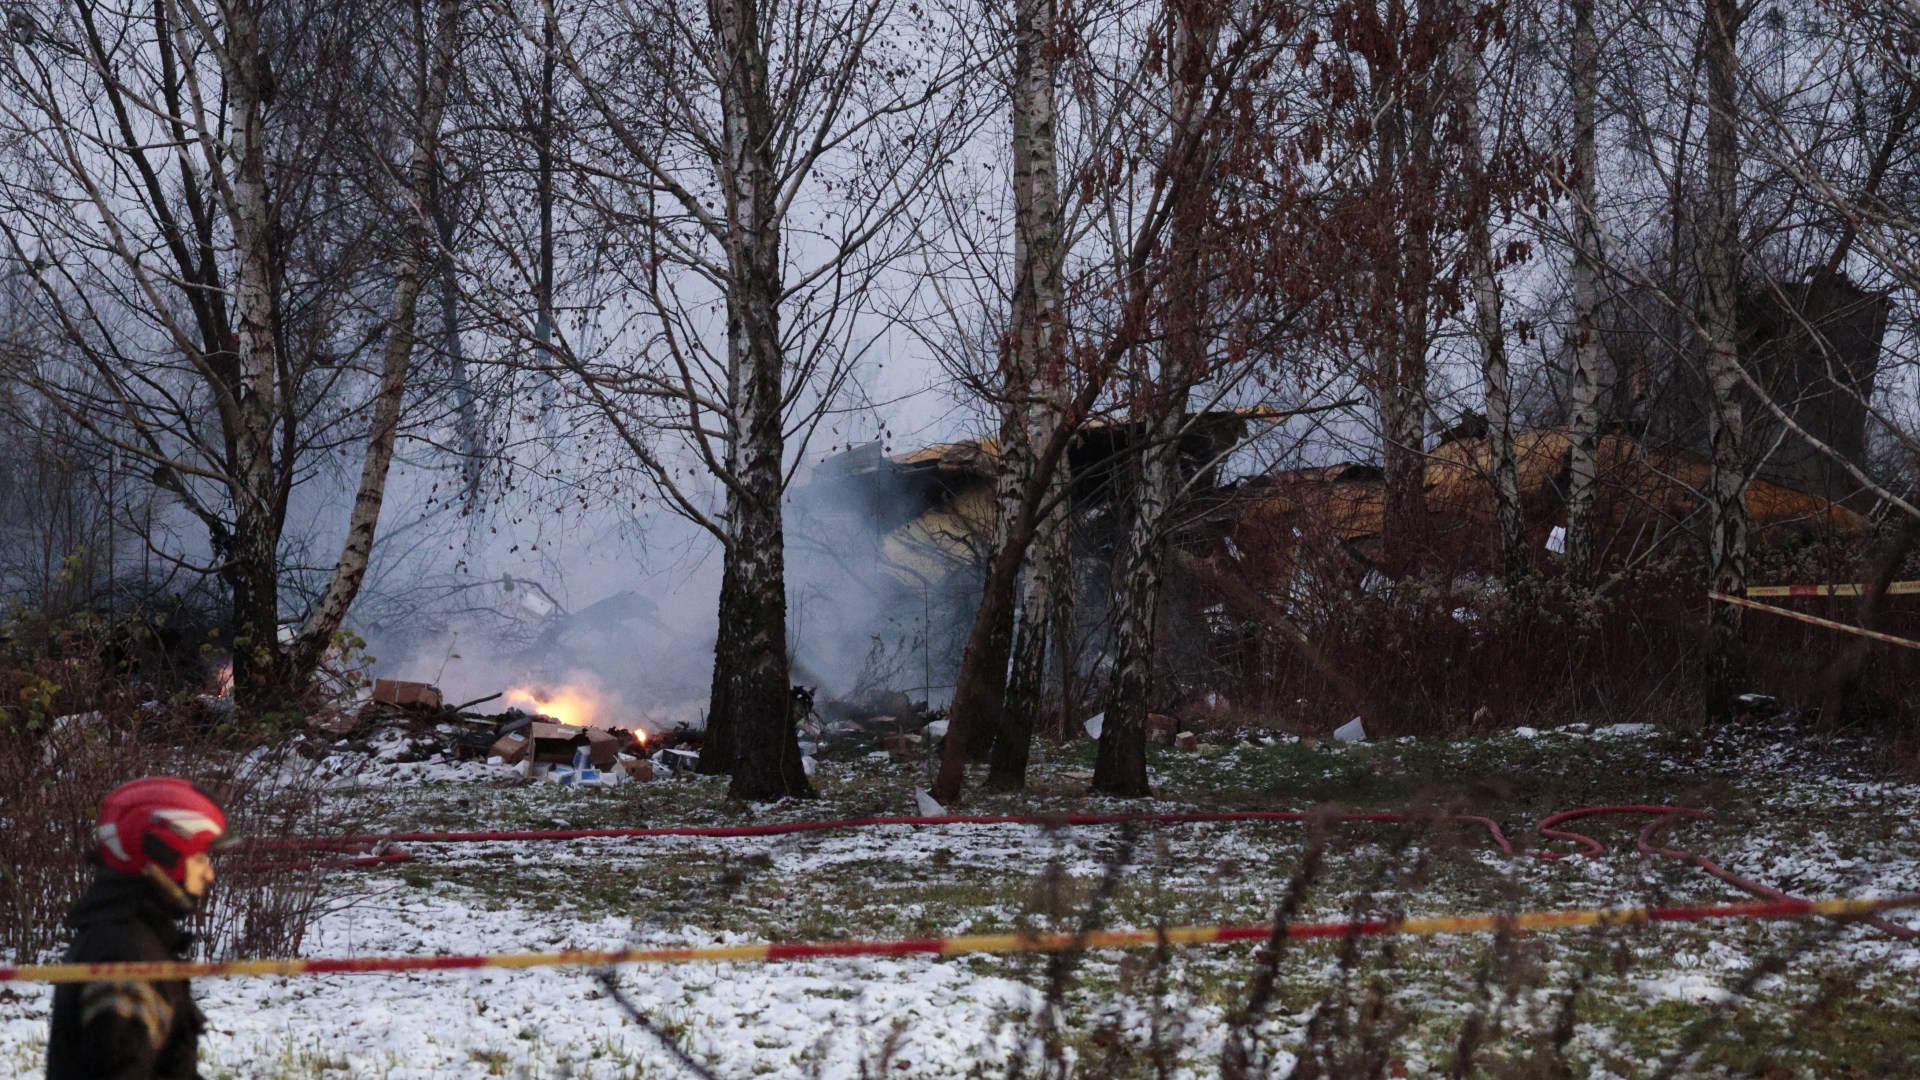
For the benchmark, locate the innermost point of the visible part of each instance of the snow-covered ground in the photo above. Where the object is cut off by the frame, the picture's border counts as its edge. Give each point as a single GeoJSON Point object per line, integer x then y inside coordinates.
{"type": "Point", "coordinates": [1785, 814]}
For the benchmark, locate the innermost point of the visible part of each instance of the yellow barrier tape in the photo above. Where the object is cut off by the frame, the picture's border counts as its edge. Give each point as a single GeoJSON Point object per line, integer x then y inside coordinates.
{"type": "Point", "coordinates": [1847, 628]}
{"type": "Point", "coordinates": [958, 946]}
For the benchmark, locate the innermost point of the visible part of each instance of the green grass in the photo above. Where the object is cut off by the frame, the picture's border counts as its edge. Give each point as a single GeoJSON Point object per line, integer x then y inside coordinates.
{"type": "Point", "coordinates": [1836, 1010]}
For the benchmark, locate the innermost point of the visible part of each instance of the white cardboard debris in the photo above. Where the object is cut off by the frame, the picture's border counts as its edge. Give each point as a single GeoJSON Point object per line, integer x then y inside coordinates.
{"type": "Point", "coordinates": [937, 729]}
{"type": "Point", "coordinates": [1095, 723]}
{"type": "Point", "coordinates": [928, 808]}
{"type": "Point", "coordinates": [1351, 731]}
{"type": "Point", "coordinates": [1557, 540]}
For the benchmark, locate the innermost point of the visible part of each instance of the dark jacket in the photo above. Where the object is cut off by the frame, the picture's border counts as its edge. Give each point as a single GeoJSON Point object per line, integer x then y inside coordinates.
{"type": "Point", "coordinates": [126, 1030]}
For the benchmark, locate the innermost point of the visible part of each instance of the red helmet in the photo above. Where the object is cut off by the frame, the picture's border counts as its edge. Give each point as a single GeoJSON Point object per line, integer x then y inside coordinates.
{"type": "Point", "coordinates": [159, 821]}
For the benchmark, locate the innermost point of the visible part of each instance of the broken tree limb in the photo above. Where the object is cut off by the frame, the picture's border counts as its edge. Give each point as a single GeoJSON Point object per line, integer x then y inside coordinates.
{"type": "Point", "coordinates": [479, 701]}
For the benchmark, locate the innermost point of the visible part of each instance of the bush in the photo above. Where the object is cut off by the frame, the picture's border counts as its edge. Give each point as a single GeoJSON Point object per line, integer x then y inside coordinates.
{"type": "Point", "coordinates": [1440, 654]}
{"type": "Point", "coordinates": [72, 728]}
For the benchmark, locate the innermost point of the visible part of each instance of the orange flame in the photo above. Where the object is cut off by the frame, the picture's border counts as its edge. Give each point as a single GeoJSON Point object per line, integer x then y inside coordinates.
{"type": "Point", "coordinates": [571, 705]}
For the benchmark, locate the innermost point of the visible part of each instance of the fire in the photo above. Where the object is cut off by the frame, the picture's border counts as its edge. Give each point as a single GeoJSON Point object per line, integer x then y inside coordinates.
{"type": "Point", "coordinates": [223, 680]}
{"type": "Point", "coordinates": [570, 705]}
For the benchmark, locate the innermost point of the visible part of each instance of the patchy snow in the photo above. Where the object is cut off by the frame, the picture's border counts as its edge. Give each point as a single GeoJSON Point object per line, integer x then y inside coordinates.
{"type": "Point", "coordinates": [1623, 731]}
{"type": "Point", "coordinates": [755, 1018]}
{"type": "Point", "coordinates": [1692, 987]}
{"type": "Point", "coordinates": [1804, 828]}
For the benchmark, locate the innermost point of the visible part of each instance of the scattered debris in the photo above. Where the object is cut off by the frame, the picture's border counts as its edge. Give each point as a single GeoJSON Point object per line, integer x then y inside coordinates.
{"type": "Point", "coordinates": [900, 744]}
{"type": "Point", "coordinates": [407, 695]}
{"type": "Point", "coordinates": [1095, 724]}
{"type": "Point", "coordinates": [582, 772]}
{"type": "Point", "coordinates": [675, 760]}
{"type": "Point", "coordinates": [1161, 729]}
{"type": "Point", "coordinates": [928, 807]}
{"type": "Point", "coordinates": [1186, 740]}
{"type": "Point", "coordinates": [1352, 731]}
{"type": "Point", "coordinates": [555, 744]}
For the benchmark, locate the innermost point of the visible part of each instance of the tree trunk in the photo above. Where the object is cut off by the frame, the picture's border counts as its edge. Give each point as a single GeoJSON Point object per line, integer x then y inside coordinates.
{"type": "Point", "coordinates": [466, 408]}
{"type": "Point", "coordinates": [1044, 603]}
{"type": "Point", "coordinates": [1719, 278]}
{"type": "Point", "coordinates": [1120, 764]}
{"type": "Point", "coordinates": [766, 761]}
{"type": "Point", "coordinates": [409, 276]}
{"type": "Point", "coordinates": [1010, 493]}
{"type": "Point", "coordinates": [1007, 763]}
{"type": "Point", "coordinates": [1036, 365]}
{"type": "Point", "coordinates": [1509, 524]}
{"type": "Point", "coordinates": [1406, 141]}
{"type": "Point", "coordinates": [262, 683]}
{"type": "Point", "coordinates": [1584, 424]}
{"type": "Point", "coordinates": [979, 692]}
{"type": "Point", "coordinates": [716, 745]}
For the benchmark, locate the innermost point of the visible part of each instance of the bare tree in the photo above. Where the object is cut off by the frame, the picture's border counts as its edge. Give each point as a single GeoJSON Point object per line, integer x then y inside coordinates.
{"type": "Point", "coordinates": [199, 194]}
{"type": "Point", "coordinates": [1720, 261]}
{"type": "Point", "coordinates": [1481, 193]}
{"type": "Point", "coordinates": [1159, 399]}
{"type": "Point", "coordinates": [767, 157]}
{"type": "Point", "coordinates": [1584, 421]}
{"type": "Point", "coordinates": [1154, 223]}
{"type": "Point", "coordinates": [1037, 380]}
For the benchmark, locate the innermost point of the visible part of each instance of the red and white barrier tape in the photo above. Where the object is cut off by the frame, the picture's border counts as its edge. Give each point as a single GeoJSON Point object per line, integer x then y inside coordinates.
{"type": "Point", "coordinates": [1846, 908]}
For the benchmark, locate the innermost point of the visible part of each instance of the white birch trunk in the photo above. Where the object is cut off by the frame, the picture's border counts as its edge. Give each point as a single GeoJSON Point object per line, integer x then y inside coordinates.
{"type": "Point", "coordinates": [1584, 423]}
{"type": "Point", "coordinates": [1719, 279]}
{"type": "Point", "coordinates": [766, 761]}
{"type": "Point", "coordinates": [1489, 328]}
{"type": "Point", "coordinates": [1120, 763]}
{"type": "Point", "coordinates": [1036, 365]}
{"type": "Point", "coordinates": [261, 680]}
{"type": "Point", "coordinates": [397, 357]}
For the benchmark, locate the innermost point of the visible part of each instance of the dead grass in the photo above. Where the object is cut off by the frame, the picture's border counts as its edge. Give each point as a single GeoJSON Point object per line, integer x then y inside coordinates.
{"type": "Point", "coordinates": [1639, 1003]}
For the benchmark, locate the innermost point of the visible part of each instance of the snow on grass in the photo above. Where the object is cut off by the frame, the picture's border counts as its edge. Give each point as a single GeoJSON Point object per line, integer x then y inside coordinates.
{"type": "Point", "coordinates": [1782, 815]}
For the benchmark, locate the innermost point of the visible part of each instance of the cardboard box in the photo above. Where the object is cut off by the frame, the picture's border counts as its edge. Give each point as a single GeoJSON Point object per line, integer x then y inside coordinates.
{"type": "Point", "coordinates": [554, 744]}
{"type": "Point", "coordinates": [511, 747]}
{"type": "Point", "coordinates": [1161, 728]}
{"type": "Point", "coordinates": [415, 695]}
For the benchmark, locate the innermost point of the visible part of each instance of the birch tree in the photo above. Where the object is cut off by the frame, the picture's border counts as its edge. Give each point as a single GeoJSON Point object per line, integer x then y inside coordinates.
{"type": "Point", "coordinates": [206, 198]}
{"type": "Point", "coordinates": [1036, 375]}
{"type": "Point", "coordinates": [1720, 260]}
{"type": "Point", "coordinates": [758, 160]}
{"type": "Point", "coordinates": [1481, 194]}
{"type": "Point", "coordinates": [1584, 421]}
{"type": "Point", "coordinates": [1159, 401]}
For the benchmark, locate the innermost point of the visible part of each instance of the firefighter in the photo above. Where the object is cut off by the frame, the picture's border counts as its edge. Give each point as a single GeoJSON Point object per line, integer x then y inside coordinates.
{"type": "Point", "coordinates": [155, 838]}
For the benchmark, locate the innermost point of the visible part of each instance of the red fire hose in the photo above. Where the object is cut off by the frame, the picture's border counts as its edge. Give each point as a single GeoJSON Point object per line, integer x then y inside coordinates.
{"type": "Point", "coordinates": [374, 850]}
